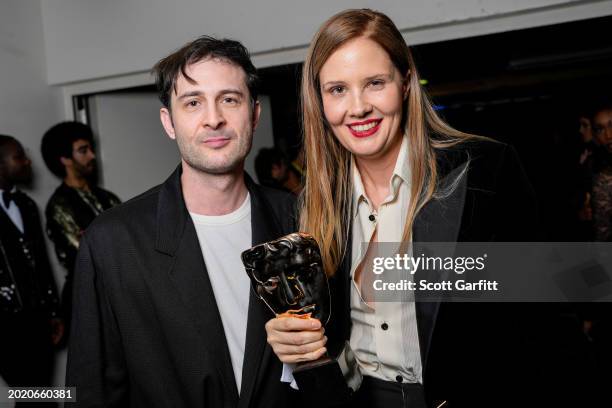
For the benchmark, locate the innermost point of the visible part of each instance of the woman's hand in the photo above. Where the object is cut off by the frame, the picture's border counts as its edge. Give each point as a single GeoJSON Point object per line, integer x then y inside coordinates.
{"type": "Point", "coordinates": [296, 340]}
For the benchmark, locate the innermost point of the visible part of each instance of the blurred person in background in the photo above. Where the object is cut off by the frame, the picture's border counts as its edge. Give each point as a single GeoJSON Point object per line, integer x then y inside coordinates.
{"type": "Point", "coordinates": [29, 323]}
{"type": "Point", "coordinates": [601, 200]}
{"type": "Point", "coordinates": [68, 151]}
{"type": "Point", "coordinates": [582, 200]}
{"type": "Point", "coordinates": [273, 169]}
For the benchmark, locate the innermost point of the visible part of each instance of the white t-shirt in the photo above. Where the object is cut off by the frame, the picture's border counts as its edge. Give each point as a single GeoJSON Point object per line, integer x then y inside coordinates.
{"type": "Point", "coordinates": [222, 239]}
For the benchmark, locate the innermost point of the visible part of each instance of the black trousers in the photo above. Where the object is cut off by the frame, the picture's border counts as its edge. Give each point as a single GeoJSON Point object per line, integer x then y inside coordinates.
{"type": "Point", "coordinates": [388, 394]}
{"type": "Point", "coordinates": [26, 352]}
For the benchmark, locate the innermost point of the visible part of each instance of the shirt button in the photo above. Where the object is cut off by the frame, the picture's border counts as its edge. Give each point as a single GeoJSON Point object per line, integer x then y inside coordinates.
{"type": "Point", "coordinates": [384, 326]}
{"type": "Point", "coordinates": [399, 379]}
{"type": "Point", "coordinates": [372, 217]}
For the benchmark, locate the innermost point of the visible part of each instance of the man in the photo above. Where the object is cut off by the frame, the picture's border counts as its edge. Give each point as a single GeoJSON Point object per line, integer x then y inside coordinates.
{"type": "Point", "coordinates": [67, 149]}
{"type": "Point", "coordinates": [599, 314]}
{"type": "Point", "coordinates": [163, 314]}
{"type": "Point", "coordinates": [602, 174]}
{"type": "Point", "coordinates": [28, 298]}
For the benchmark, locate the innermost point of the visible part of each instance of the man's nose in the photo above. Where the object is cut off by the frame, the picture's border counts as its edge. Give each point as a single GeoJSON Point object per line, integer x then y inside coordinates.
{"type": "Point", "coordinates": [213, 117]}
{"type": "Point", "coordinates": [360, 106]}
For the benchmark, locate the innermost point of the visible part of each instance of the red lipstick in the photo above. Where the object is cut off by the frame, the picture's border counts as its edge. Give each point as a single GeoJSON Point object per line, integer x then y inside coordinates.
{"type": "Point", "coordinates": [365, 128]}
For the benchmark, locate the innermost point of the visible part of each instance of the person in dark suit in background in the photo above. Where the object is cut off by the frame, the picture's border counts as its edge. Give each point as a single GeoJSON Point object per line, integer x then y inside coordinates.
{"type": "Point", "coordinates": [68, 151]}
{"type": "Point", "coordinates": [163, 313]}
{"type": "Point", "coordinates": [29, 320]}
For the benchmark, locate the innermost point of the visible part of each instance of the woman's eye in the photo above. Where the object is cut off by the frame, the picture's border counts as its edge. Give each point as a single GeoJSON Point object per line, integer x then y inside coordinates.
{"type": "Point", "coordinates": [337, 90]}
{"type": "Point", "coordinates": [377, 83]}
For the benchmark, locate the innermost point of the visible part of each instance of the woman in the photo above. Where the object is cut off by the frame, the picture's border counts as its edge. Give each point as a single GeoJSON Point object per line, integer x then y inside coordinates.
{"type": "Point", "coordinates": [383, 167]}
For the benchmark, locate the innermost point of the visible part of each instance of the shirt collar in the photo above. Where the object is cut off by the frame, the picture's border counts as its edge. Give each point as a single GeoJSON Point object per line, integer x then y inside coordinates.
{"type": "Point", "coordinates": [402, 166]}
{"type": "Point", "coordinates": [358, 189]}
{"type": "Point", "coordinates": [401, 173]}
{"type": "Point", "coordinates": [13, 190]}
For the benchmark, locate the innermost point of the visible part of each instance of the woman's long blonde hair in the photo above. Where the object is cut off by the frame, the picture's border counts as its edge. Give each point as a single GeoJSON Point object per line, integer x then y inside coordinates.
{"type": "Point", "coordinates": [327, 196]}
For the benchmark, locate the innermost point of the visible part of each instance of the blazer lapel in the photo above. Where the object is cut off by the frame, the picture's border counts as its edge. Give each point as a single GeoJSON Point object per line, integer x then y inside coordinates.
{"type": "Point", "coordinates": [438, 221]}
{"type": "Point", "coordinates": [265, 227]}
{"type": "Point", "coordinates": [177, 238]}
{"type": "Point", "coordinates": [24, 211]}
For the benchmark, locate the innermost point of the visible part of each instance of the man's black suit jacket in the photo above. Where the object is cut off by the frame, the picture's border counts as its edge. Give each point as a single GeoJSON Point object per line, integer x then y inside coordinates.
{"type": "Point", "coordinates": [24, 264]}
{"type": "Point", "coordinates": [472, 353]}
{"type": "Point", "coordinates": [146, 329]}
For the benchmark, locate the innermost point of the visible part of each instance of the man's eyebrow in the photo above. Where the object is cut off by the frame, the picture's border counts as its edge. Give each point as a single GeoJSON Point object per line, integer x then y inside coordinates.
{"type": "Point", "coordinates": [190, 94]}
{"type": "Point", "coordinates": [232, 91]}
{"type": "Point", "coordinates": [221, 92]}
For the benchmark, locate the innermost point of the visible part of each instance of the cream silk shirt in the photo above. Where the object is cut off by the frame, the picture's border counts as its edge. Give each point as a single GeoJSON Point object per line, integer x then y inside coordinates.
{"type": "Point", "coordinates": [384, 338]}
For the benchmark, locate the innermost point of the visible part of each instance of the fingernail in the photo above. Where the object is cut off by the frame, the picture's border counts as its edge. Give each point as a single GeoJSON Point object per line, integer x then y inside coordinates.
{"type": "Point", "coordinates": [315, 324]}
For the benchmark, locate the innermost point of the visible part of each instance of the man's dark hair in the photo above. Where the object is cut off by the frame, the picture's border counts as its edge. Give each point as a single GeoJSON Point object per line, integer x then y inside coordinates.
{"type": "Point", "coordinates": [57, 142]}
{"type": "Point", "coordinates": [168, 69]}
{"type": "Point", "coordinates": [599, 105]}
{"type": "Point", "coordinates": [5, 142]}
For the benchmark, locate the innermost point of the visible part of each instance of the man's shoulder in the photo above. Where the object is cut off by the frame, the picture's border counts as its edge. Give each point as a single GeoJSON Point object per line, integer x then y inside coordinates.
{"type": "Point", "coordinates": [107, 195]}
{"type": "Point", "coordinates": [281, 202]}
{"type": "Point", "coordinates": [281, 205]}
{"type": "Point", "coordinates": [275, 195]}
{"type": "Point", "coordinates": [27, 202]}
{"type": "Point", "coordinates": [60, 196]}
{"type": "Point", "coordinates": [136, 212]}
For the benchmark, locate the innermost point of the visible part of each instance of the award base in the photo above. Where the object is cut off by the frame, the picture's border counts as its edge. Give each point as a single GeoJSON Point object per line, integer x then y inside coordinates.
{"type": "Point", "coordinates": [322, 379]}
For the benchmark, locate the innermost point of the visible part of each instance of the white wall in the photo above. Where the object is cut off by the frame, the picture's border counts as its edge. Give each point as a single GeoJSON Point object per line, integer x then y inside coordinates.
{"type": "Point", "coordinates": [133, 150]}
{"type": "Point", "coordinates": [87, 39]}
{"type": "Point", "coordinates": [28, 106]}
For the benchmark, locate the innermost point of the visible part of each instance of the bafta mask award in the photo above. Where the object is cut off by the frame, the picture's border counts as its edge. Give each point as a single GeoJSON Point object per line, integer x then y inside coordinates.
{"type": "Point", "coordinates": [287, 274]}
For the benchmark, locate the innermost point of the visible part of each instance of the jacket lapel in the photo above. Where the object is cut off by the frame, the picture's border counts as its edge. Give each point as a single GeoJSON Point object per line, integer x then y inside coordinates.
{"type": "Point", "coordinates": [177, 238]}
{"type": "Point", "coordinates": [25, 212]}
{"type": "Point", "coordinates": [265, 227]}
{"type": "Point", "coordinates": [438, 221]}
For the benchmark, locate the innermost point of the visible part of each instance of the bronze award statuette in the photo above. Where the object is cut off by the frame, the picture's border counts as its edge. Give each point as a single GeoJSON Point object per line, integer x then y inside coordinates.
{"type": "Point", "coordinates": [287, 274]}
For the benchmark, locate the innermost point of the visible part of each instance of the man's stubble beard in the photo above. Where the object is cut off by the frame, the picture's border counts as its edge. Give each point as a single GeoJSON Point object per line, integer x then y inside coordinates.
{"type": "Point", "coordinates": [228, 163]}
{"type": "Point", "coordinates": [87, 171]}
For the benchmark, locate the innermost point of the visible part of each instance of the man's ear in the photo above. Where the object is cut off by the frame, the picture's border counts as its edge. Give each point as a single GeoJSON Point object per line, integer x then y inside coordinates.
{"type": "Point", "coordinates": [256, 114]}
{"type": "Point", "coordinates": [65, 161]}
{"type": "Point", "coordinates": [166, 119]}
